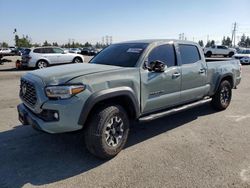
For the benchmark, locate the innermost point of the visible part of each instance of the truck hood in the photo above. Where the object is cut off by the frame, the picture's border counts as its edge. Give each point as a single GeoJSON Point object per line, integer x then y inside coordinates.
{"type": "Point", "coordinates": [61, 74]}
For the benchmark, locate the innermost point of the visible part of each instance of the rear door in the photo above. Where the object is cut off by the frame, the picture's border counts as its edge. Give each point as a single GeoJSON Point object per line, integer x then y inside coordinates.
{"type": "Point", "coordinates": [222, 50]}
{"type": "Point", "coordinates": [193, 68]}
{"type": "Point", "coordinates": [49, 54]}
{"type": "Point", "coordinates": [161, 90]}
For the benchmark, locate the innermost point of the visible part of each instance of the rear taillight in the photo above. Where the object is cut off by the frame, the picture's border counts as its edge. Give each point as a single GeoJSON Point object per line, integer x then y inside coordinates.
{"type": "Point", "coordinates": [240, 68]}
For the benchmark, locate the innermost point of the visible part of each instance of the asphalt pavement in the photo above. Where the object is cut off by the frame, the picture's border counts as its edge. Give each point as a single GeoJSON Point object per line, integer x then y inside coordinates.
{"type": "Point", "coordinates": [196, 148]}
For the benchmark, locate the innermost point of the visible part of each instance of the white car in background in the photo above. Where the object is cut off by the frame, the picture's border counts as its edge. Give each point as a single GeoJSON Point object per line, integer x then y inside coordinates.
{"type": "Point", "coordinates": [243, 56]}
{"type": "Point", "coordinates": [5, 51]}
{"type": "Point", "coordinates": [43, 57]}
{"type": "Point", "coordinates": [75, 50]}
{"type": "Point", "coordinates": [219, 50]}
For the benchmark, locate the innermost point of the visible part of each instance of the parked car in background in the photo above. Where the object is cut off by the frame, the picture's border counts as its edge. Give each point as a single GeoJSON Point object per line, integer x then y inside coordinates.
{"type": "Point", "coordinates": [243, 55]}
{"type": "Point", "coordinates": [43, 57]}
{"type": "Point", "coordinates": [5, 51]}
{"type": "Point", "coordinates": [89, 51]}
{"type": "Point", "coordinates": [75, 50]}
{"type": "Point", "coordinates": [125, 82]}
{"type": "Point", "coordinates": [219, 50]}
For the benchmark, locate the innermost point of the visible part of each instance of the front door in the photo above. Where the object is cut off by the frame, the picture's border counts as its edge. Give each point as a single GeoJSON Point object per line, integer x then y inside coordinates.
{"type": "Point", "coordinates": [161, 90]}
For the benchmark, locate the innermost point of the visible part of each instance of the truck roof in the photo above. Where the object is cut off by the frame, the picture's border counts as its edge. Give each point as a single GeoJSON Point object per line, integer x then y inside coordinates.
{"type": "Point", "coordinates": [150, 41]}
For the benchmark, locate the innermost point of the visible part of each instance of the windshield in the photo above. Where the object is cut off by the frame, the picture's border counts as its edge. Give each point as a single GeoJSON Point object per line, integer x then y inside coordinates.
{"type": "Point", "coordinates": [124, 55]}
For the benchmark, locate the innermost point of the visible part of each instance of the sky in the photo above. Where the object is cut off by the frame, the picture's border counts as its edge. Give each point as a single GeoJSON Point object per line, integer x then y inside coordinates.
{"type": "Point", "coordinates": [90, 20]}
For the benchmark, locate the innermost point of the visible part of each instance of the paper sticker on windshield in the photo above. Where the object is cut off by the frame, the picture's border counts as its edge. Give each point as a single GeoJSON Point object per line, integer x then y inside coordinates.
{"type": "Point", "coordinates": [134, 50]}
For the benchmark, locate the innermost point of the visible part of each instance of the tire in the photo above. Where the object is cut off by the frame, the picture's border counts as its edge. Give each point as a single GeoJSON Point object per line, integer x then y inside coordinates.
{"type": "Point", "coordinates": [230, 54]}
{"type": "Point", "coordinates": [77, 60]}
{"type": "Point", "coordinates": [223, 95]}
{"type": "Point", "coordinates": [107, 131]}
{"type": "Point", "coordinates": [41, 64]}
{"type": "Point", "coordinates": [208, 54]}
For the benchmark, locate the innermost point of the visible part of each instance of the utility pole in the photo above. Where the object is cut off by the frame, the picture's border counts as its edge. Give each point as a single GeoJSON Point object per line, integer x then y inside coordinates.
{"type": "Point", "coordinates": [234, 33]}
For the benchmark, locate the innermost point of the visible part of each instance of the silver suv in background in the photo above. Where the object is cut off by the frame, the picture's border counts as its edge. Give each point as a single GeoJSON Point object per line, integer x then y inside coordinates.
{"type": "Point", "coordinates": [43, 57]}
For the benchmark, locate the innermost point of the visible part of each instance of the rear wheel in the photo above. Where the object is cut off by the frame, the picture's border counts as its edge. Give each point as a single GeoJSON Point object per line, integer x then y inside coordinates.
{"type": "Point", "coordinates": [77, 60]}
{"type": "Point", "coordinates": [231, 54]}
{"type": "Point", "coordinates": [41, 64]}
{"type": "Point", "coordinates": [107, 131]}
{"type": "Point", "coordinates": [208, 54]}
{"type": "Point", "coordinates": [222, 97]}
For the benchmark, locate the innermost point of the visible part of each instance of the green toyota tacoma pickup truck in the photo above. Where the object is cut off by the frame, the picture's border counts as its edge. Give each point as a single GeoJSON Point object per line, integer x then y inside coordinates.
{"type": "Point", "coordinates": [136, 80]}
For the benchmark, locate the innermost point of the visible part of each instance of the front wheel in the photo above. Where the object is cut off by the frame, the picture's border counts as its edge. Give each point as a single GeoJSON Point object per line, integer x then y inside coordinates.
{"type": "Point", "coordinates": [107, 131]}
{"type": "Point", "coordinates": [222, 97]}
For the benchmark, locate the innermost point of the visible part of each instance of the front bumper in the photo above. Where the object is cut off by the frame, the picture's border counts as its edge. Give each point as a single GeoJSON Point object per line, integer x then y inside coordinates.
{"type": "Point", "coordinates": [67, 121]}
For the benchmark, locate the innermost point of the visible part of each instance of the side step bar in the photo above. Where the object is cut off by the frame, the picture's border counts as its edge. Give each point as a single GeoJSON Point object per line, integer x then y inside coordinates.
{"type": "Point", "coordinates": [174, 110]}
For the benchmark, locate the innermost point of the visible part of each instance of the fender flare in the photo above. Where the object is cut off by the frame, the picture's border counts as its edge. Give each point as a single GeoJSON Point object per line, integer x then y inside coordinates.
{"type": "Point", "coordinates": [221, 78]}
{"type": "Point", "coordinates": [108, 94]}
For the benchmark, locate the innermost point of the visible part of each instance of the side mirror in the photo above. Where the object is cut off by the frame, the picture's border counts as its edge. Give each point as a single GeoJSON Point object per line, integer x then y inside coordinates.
{"type": "Point", "coordinates": [157, 66]}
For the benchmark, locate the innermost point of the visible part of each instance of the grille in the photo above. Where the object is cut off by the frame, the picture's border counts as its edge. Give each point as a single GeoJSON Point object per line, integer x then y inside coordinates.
{"type": "Point", "coordinates": [28, 92]}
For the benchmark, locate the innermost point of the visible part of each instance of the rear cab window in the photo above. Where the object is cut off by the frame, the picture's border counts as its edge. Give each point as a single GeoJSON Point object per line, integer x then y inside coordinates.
{"type": "Point", "coordinates": [189, 54]}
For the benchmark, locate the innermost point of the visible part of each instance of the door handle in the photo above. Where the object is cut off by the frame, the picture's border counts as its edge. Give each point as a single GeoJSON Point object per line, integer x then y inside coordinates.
{"type": "Point", "coordinates": [176, 75]}
{"type": "Point", "coordinates": [202, 71]}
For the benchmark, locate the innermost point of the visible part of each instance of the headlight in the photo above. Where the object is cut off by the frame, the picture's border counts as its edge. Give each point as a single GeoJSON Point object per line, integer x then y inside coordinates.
{"type": "Point", "coordinates": [63, 92]}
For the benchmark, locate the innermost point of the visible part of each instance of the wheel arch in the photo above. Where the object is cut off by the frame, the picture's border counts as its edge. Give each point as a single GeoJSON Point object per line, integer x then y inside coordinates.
{"type": "Point", "coordinates": [228, 77]}
{"type": "Point", "coordinates": [79, 57]}
{"type": "Point", "coordinates": [123, 96]}
{"type": "Point", "coordinates": [42, 59]}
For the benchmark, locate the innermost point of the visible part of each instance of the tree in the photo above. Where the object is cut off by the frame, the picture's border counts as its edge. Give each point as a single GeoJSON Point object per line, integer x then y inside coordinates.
{"type": "Point", "coordinates": [54, 44]}
{"type": "Point", "coordinates": [4, 45]}
{"type": "Point", "coordinates": [36, 45]}
{"type": "Point", "coordinates": [242, 42]}
{"type": "Point", "coordinates": [226, 41]}
{"type": "Point", "coordinates": [87, 44]}
{"type": "Point", "coordinates": [212, 42]}
{"type": "Point", "coordinates": [248, 42]}
{"type": "Point", "coordinates": [46, 43]}
{"type": "Point", "coordinates": [201, 43]}
{"type": "Point", "coordinates": [25, 41]}
{"type": "Point", "coordinates": [208, 44]}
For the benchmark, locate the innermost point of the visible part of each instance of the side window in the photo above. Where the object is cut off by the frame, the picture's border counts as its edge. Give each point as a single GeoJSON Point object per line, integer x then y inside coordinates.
{"type": "Point", "coordinates": [189, 54]}
{"type": "Point", "coordinates": [57, 50]}
{"type": "Point", "coordinates": [164, 53]}
{"type": "Point", "coordinates": [222, 47]}
{"type": "Point", "coordinates": [48, 51]}
{"type": "Point", "coordinates": [37, 50]}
